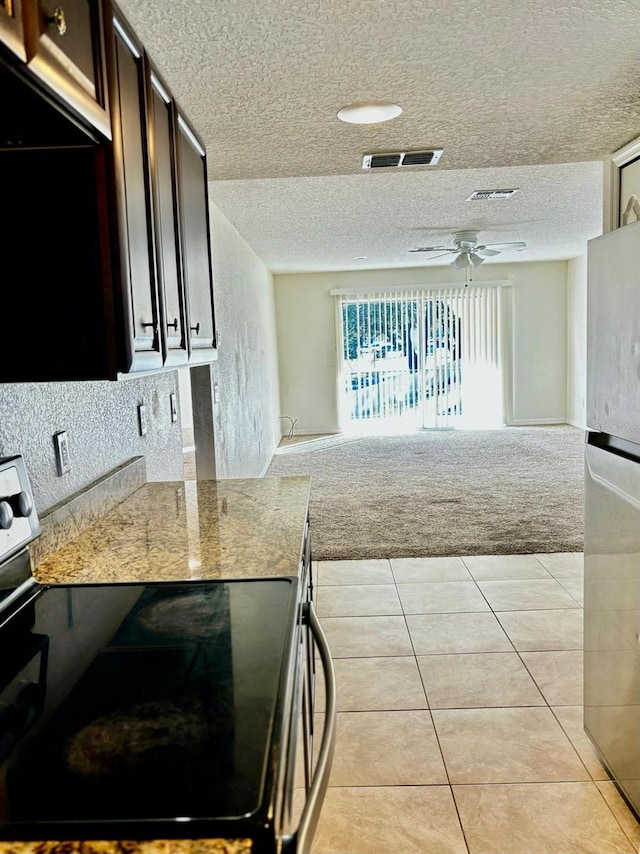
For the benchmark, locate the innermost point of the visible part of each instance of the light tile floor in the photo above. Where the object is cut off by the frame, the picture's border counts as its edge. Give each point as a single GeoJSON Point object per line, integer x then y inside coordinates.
{"type": "Point", "coordinates": [459, 711]}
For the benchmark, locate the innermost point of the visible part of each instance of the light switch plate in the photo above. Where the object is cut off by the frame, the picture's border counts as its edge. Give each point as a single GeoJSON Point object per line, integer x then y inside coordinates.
{"type": "Point", "coordinates": [173, 399]}
{"type": "Point", "coordinates": [142, 419]}
{"type": "Point", "coordinates": [61, 446]}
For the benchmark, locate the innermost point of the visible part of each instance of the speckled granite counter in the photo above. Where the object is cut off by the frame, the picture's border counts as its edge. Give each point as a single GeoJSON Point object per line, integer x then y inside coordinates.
{"type": "Point", "coordinates": [163, 846]}
{"type": "Point", "coordinates": [190, 530]}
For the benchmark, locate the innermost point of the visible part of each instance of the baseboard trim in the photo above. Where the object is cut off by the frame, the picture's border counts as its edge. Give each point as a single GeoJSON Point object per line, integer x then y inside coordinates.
{"type": "Point", "coordinates": [313, 433]}
{"type": "Point", "coordinates": [576, 424]}
{"type": "Point", "coordinates": [531, 422]}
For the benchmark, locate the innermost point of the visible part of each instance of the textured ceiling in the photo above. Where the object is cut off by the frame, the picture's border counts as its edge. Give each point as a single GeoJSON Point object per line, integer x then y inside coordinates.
{"type": "Point", "coordinates": [299, 224]}
{"type": "Point", "coordinates": [499, 84]}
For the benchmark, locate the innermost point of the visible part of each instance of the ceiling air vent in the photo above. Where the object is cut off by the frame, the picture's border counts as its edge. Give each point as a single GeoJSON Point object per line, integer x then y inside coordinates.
{"type": "Point", "coordinates": [379, 161]}
{"type": "Point", "coordinates": [484, 195]}
{"type": "Point", "coordinates": [401, 158]}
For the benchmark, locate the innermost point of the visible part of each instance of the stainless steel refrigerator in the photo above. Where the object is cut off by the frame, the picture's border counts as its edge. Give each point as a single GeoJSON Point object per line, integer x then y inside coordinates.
{"type": "Point", "coordinates": [612, 507]}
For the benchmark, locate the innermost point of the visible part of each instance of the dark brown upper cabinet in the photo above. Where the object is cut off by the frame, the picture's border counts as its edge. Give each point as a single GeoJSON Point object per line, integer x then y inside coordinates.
{"type": "Point", "coordinates": [12, 27]}
{"type": "Point", "coordinates": [162, 153]}
{"type": "Point", "coordinates": [60, 297]}
{"type": "Point", "coordinates": [196, 242]}
{"type": "Point", "coordinates": [134, 204]}
{"type": "Point", "coordinates": [106, 254]}
{"type": "Point", "coordinates": [65, 46]}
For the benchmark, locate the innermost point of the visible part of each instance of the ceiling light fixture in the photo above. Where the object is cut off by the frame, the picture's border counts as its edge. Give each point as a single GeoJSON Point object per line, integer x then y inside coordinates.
{"type": "Point", "coordinates": [369, 112]}
{"type": "Point", "coordinates": [461, 261]}
{"type": "Point", "coordinates": [467, 258]}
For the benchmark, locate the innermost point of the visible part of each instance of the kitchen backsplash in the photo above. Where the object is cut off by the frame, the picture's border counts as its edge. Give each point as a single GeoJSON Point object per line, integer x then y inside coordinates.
{"type": "Point", "coordinates": [102, 426]}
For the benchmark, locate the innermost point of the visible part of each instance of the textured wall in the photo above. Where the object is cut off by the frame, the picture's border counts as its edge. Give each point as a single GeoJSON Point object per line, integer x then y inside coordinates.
{"type": "Point", "coordinates": [539, 341]}
{"type": "Point", "coordinates": [101, 421]}
{"type": "Point", "coordinates": [307, 349]}
{"type": "Point", "coordinates": [307, 337]}
{"type": "Point", "coordinates": [246, 417]}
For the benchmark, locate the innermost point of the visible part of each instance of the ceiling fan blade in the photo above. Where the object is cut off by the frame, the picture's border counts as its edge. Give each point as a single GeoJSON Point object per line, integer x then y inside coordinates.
{"type": "Point", "coordinates": [433, 257]}
{"type": "Point", "coordinates": [434, 249]}
{"type": "Point", "coordinates": [482, 250]}
{"type": "Point", "coordinates": [518, 244]}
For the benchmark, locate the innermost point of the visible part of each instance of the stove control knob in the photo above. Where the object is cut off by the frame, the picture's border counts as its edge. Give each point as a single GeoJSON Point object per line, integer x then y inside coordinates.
{"type": "Point", "coordinates": [6, 515]}
{"type": "Point", "coordinates": [22, 504]}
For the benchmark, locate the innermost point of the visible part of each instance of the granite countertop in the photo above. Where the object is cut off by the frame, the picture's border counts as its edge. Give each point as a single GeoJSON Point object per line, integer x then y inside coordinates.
{"type": "Point", "coordinates": [162, 846]}
{"type": "Point", "coordinates": [187, 530]}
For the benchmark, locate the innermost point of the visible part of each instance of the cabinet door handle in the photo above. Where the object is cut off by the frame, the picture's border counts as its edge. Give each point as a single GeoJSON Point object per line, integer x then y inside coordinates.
{"type": "Point", "coordinates": [147, 325]}
{"type": "Point", "coordinates": [196, 328]}
{"type": "Point", "coordinates": [58, 19]}
{"type": "Point", "coordinates": [173, 325]}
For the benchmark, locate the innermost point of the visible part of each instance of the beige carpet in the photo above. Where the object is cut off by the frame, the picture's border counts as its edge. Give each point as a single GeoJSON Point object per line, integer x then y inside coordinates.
{"type": "Point", "coordinates": [459, 492]}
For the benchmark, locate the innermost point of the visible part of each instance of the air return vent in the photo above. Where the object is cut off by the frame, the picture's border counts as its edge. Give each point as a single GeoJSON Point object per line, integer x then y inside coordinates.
{"type": "Point", "coordinates": [401, 158]}
{"type": "Point", "coordinates": [484, 195]}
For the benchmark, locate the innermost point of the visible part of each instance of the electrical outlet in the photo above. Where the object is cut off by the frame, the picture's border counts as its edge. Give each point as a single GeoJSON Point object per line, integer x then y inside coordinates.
{"type": "Point", "coordinates": [173, 400]}
{"type": "Point", "coordinates": [61, 446]}
{"type": "Point", "coordinates": [142, 419]}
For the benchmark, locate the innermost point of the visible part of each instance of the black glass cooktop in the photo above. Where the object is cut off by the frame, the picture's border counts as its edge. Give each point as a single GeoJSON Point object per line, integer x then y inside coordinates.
{"type": "Point", "coordinates": [141, 704]}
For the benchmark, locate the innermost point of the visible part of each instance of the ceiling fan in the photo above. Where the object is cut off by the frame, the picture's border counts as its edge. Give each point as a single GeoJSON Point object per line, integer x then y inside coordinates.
{"type": "Point", "coordinates": [468, 251]}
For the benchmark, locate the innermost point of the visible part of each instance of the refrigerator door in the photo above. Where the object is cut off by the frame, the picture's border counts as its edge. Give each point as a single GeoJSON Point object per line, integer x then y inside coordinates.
{"type": "Point", "coordinates": [613, 333]}
{"type": "Point", "coordinates": [612, 614]}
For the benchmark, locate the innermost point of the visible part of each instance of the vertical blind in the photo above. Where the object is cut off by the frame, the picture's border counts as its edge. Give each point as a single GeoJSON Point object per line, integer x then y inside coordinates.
{"type": "Point", "coordinates": [423, 357]}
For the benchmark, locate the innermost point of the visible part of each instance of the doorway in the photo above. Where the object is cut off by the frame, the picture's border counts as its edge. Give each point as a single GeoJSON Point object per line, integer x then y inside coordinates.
{"type": "Point", "coordinates": [420, 359]}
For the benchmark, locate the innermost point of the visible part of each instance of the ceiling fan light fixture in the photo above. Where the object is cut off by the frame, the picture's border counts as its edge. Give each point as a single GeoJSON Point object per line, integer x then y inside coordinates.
{"type": "Point", "coordinates": [369, 112]}
{"type": "Point", "coordinates": [469, 252]}
{"type": "Point", "coordinates": [461, 261]}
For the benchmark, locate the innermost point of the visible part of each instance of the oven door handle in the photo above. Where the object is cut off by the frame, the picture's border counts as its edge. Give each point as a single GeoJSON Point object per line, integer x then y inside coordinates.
{"type": "Point", "coordinates": [300, 841]}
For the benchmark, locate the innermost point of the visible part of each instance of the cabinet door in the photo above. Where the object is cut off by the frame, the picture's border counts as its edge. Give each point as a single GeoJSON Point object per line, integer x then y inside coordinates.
{"type": "Point", "coordinates": [131, 166]}
{"type": "Point", "coordinates": [56, 295]}
{"type": "Point", "coordinates": [161, 150]}
{"type": "Point", "coordinates": [196, 242]}
{"type": "Point", "coordinates": [11, 28]}
{"type": "Point", "coordinates": [66, 49]}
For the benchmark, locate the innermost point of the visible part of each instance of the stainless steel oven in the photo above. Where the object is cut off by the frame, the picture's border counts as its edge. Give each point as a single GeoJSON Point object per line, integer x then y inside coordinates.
{"type": "Point", "coordinates": [167, 710]}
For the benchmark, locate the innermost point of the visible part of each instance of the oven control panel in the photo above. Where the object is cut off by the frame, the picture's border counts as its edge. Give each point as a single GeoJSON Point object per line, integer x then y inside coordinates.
{"type": "Point", "coordinates": [19, 522]}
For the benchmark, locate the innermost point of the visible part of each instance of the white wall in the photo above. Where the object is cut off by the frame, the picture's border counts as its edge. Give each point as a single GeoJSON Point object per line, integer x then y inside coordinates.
{"type": "Point", "coordinates": [246, 417]}
{"type": "Point", "coordinates": [577, 341]}
{"type": "Point", "coordinates": [184, 390]}
{"type": "Point", "coordinates": [307, 337]}
{"type": "Point", "coordinates": [246, 424]}
{"type": "Point", "coordinates": [307, 350]}
{"type": "Point", "coordinates": [539, 341]}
